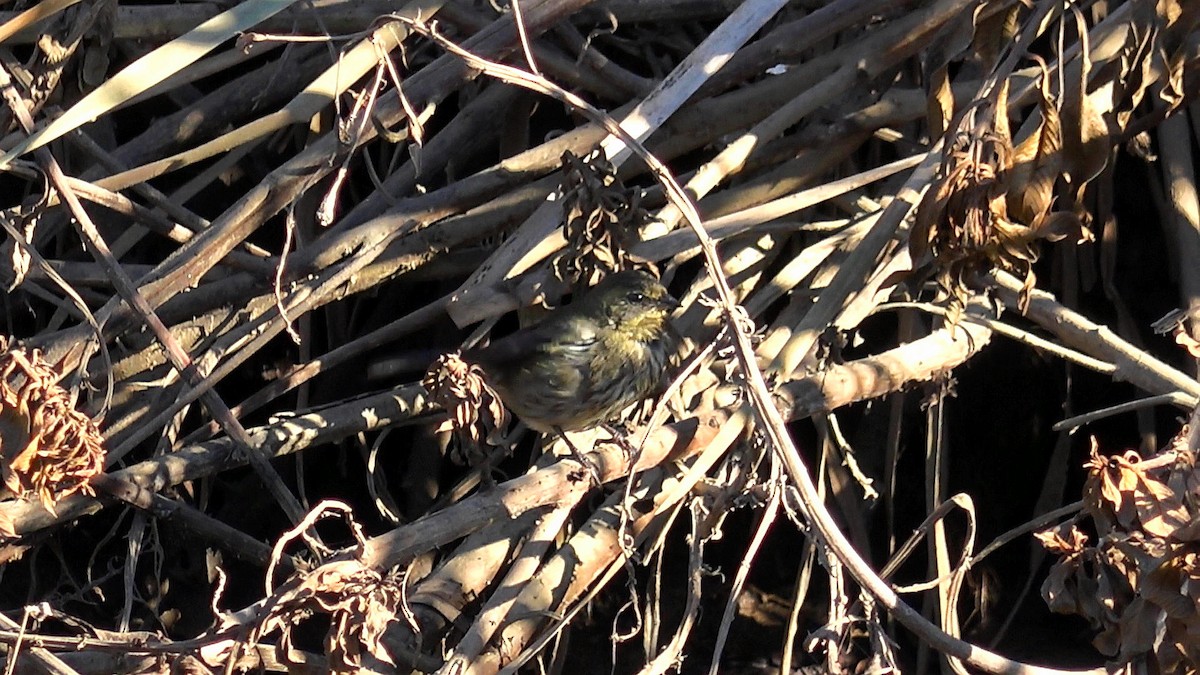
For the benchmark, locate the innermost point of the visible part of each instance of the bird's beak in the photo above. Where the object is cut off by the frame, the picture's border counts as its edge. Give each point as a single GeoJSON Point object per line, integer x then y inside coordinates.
{"type": "Point", "coordinates": [668, 302]}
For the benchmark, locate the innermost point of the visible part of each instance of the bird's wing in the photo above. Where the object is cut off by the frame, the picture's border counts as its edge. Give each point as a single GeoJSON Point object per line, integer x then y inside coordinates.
{"type": "Point", "coordinates": [544, 337]}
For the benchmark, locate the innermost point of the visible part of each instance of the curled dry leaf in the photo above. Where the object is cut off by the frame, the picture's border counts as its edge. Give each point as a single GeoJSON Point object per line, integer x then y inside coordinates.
{"type": "Point", "coordinates": [1086, 143]}
{"type": "Point", "coordinates": [1133, 498]}
{"type": "Point", "coordinates": [1139, 584]}
{"type": "Point", "coordinates": [994, 32]}
{"type": "Point", "coordinates": [1172, 26]}
{"type": "Point", "coordinates": [1065, 539]}
{"type": "Point", "coordinates": [992, 202]}
{"type": "Point", "coordinates": [1037, 162]}
{"type": "Point", "coordinates": [963, 219]}
{"type": "Point", "coordinates": [601, 219]}
{"type": "Point", "coordinates": [1183, 339]}
{"type": "Point", "coordinates": [359, 602]}
{"type": "Point", "coordinates": [49, 449]}
{"type": "Point", "coordinates": [476, 414]}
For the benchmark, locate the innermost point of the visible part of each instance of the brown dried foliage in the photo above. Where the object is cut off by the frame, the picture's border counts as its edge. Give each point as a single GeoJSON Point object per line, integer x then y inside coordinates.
{"type": "Point", "coordinates": [992, 202]}
{"type": "Point", "coordinates": [601, 219]}
{"type": "Point", "coordinates": [994, 199]}
{"type": "Point", "coordinates": [476, 415]}
{"type": "Point", "coordinates": [49, 449]}
{"type": "Point", "coordinates": [998, 193]}
{"type": "Point", "coordinates": [1139, 583]}
{"type": "Point", "coordinates": [359, 601]}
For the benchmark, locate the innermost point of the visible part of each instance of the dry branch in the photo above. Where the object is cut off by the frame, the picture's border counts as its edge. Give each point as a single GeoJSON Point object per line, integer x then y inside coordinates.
{"type": "Point", "coordinates": [336, 175]}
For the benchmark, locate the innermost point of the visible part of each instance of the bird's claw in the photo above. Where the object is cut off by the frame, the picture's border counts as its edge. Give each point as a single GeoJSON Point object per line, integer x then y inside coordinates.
{"type": "Point", "coordinates": [584, 461]}
{"type": "Point", "coordinates": [620, 438]}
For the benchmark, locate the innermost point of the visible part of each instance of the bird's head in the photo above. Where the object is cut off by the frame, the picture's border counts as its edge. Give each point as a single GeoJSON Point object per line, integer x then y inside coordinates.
{"type": "Point", "coordinates": [634, 302]}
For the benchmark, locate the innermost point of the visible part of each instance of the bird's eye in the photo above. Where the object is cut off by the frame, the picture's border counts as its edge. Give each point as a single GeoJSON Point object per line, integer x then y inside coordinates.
{"type": "Point", "coordinates": [635, 296]}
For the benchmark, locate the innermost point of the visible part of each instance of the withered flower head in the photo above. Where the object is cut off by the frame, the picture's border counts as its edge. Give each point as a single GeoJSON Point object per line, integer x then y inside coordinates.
{"type": "Point", "coordinates": [48, 449]}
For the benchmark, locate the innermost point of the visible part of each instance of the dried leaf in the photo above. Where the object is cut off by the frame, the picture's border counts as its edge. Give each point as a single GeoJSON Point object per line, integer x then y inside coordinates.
{"type": "Point", "coordinates": [476, 413]}
{"type": "Point", "coordinates": [940, 101]}
{"type": "Point", "coordinates": [1138, 67]}
{"type": "Point", "coordinates": [1159, 508]}
{"type": "Point", "coordinates": [994, 33]}
{"type": "Point", "coordinates": [1086, 143]}
{"type": "Point", "coordinates": [359, 602]}
{"type": "Point", "coordinates": [1178, 22]}
{"type": "Point", "coordinates": [1140, 584]}
{"type": "Point", "coordinates": [1137, 628]}
{"type": "Point", "coordinates": [602, 220]}
{"type": "Point", "coordinates": [1036, 163]}
{"type": "Point", "coordinates": [1058, 589]}
{"type": "Point", "coordinates": [1185, 340]}
{"type": "Point", "coordinates": [1064, 225]}
{"type": "Point", "coordinates": [49, 450]}
{"type": "Point", "coordinates": [1066, 539]}
{"type": "Point", "coordinates": [1162, 586]}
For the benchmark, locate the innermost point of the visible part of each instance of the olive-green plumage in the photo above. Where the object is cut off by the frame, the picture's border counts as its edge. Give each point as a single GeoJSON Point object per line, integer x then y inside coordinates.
{"type": "Point", "coordinates": [589, 360]}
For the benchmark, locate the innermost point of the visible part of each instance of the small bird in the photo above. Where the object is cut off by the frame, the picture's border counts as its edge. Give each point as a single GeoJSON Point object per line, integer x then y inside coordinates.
{"type": "Point", "coordinates": [589, 360]}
